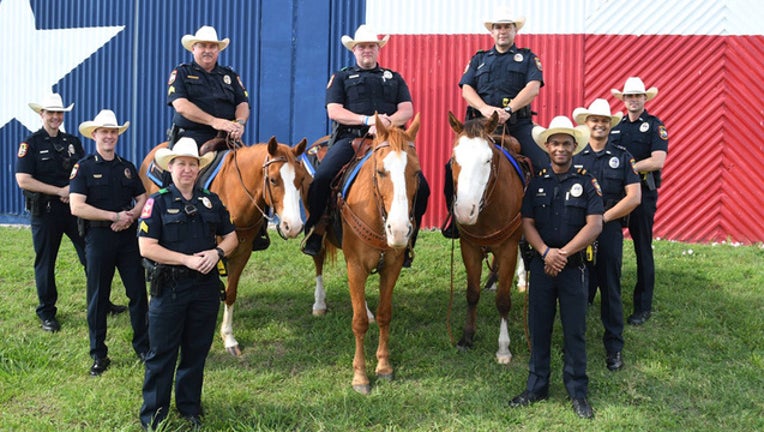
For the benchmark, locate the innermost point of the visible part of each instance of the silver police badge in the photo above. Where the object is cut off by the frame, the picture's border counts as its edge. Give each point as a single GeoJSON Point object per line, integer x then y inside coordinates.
{"type": "Point", "coordinates": [226, 79]}
{"type": "Point", "coordinates": [576, 190]}
{"type": "Point", "coordinates": [70, 149]}
{"type": "Point", "coordinates": [207, 203]}
{"type": "Point", "coordinates": [387, 75]}
{"type": "Point", "coordinates": [518, 57]}
{"type": "Point", "coordinates": [614, 162]}
{"type": "Point", "coordinates": [644, 127]}
{"type": "Point", "coordinates": [128, 173]}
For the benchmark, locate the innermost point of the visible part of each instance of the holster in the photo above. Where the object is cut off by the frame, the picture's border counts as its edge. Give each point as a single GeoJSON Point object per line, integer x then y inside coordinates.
{"type": "Point", "coordinates": [156, 275]}
{"type": "Point", "coordinates": [590, 254]}
{"type": "Point", "coordinates": [526, 253]}
{"type": "Point", "coordinates": [82, 227]}
{"type": "Point", "coordinates": [35, 202]}
{"type": "Point", "coordinates": [648, 179]}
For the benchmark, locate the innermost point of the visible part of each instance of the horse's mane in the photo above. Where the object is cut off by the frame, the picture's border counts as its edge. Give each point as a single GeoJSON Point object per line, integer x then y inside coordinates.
{"type": "Point", "coordinates": [396, 138]}
{"type": "Point", "coordinates": [475, 128]}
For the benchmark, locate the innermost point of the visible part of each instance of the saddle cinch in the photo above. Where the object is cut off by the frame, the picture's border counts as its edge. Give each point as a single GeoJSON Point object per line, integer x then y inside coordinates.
{"type": "Point", "coordinates": [341, 182]}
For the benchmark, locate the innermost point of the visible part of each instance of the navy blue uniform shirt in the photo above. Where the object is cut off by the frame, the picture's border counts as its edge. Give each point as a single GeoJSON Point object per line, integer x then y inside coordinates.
{"type": "Point", "coordinates": [185, 226]}
{"type": "Point", "coordinates": [559, 204]}
{"type": "Point", "coordinates": [613, 167]}
{"type": "Point", "coordinates": [109, 185]}
{"type": "Point", "coordinates": [496, 76]}
{"type": "Point", "coordinates": [367, 91]}
{"type": "Point", "coordinates": [217, 93]}
{"type": "Point", "coordinates": [641, 137]}
{"type": "Point", "coordinates": [49, 159]}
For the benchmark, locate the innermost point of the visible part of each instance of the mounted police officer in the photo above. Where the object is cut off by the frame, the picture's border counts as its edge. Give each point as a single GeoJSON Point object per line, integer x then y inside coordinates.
{"type": "Point", "coordinates": [646, 138]}
{"type": "Point", "coordinates": [177, 238]}
{"type": "Point", "coordinates": [208, 98]}
{"type": "Point", "coordinates": [45, 160]}
{"type": "Point", "coordinates": [353, 95]}
{"type": "Point", "coordinates": [613, 166]}
{"type": "Point", "coordinates": [562, 215]}
{"type": "Point", "coordinates": [107, 194]}
{"type": "Point", "coordinates": [503, 80]}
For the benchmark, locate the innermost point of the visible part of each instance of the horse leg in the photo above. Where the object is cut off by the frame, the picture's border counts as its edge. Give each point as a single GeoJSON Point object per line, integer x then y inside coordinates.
{"type": "Point", "coordinates": [235, 267]}
{"type": "Point", "coordinates": [472, 257]}
{"type": "Point", "coordinates": [319, 295]}
{"type": "Point", "coordinates": [357, 285]}
{"type": "Point", "coordinates": [506, 263]}
{"type": "Point", "coordinates": [522, 280]}
{"type": "Point", "coordinates": [387, 278]}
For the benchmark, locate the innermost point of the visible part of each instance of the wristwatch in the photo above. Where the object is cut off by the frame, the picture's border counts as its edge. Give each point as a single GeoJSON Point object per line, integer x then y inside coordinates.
{"type": "Point", "coordinates": [221, 254]}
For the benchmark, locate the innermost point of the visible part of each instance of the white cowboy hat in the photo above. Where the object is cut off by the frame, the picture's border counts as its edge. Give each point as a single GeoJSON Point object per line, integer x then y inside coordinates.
{"type": "Point", "coordinates": [600, 107]}
{"type": "Point", "coordinates": [184, 147]}
{"type": "Point", "coordinates": [51, 102]}
{"type": "Point", "coordinates": [634, 85]}
{"type": "Point", "coordinates": [104, 119]}
{"type": "Point", "coordinates": [204, 34]}
{"type": "Point", "coordinates": [502, 15]}
{"type": "Point", "coordinates": [561, 125]}
{"type": "Point", "coordinates": [364, 34]}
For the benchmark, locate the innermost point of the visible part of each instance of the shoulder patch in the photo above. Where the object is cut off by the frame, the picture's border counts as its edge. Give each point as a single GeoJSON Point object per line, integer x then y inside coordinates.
{"type": "Point", "coordinates": [73, 174]}
{"type": "Point", "coordinates": [331, 80]}
{"type": "Point", "coordinates": [173, 74]}
{"type": "Point", "coordinates": [597, 187]}
{"type": "Point", "coordinates": [538, 64]}
{"type": "Point", "coordinates": [662, 132]}
{"type": "Point", "coordinates": [147, 208]}
{"type": "Point", "coordinates": [23, 148]}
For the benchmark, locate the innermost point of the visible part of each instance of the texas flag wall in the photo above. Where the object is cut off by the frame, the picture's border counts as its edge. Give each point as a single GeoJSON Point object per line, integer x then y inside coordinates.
{"type": "Point", "coordinates": [706, 58]}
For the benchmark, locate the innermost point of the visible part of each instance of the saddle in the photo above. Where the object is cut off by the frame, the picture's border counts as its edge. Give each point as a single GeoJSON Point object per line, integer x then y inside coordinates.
{"type": "Point", "coordinates": [206, 174]}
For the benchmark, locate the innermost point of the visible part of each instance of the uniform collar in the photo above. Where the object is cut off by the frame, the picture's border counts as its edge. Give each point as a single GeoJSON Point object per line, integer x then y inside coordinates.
{"type": "Point", "coordinates": [356, 68]}
{"type": "Point", "coordinates": [512, 50]}
{"type": "Point", "coordinates": [198, 68]}
{"type": "Point", "coordinates": [99, 159]}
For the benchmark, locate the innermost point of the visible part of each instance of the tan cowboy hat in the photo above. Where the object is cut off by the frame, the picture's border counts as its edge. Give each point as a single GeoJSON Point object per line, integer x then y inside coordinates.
{"type": "Point", "coordinates": [600, 107]}
{"type": "Point", "coordinates": [204, 34]}
{"type": "Point", "coordinates": [104, 119]}
{"type": "Point", "coordinates": [51, 102]}
{"type": "Point", "coordinates": [184, 147]}
{"type": "Point", "coordinates": [364, 34]}
{"type": "Point", "coordinates": [634, 85]}
{"type": "Point", "coordinates": [561, 125]}
{"type": "Point", "coordinates": [502, 15]}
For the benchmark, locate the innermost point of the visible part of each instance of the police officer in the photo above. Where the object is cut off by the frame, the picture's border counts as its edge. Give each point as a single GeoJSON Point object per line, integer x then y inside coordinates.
{"type": "Point", "coordinates": [44, 162]}
{"type": "Point", "coordinates": [208, 98]}
{"type": "Point", "coordinates": [504, 80]}
{"type": "Point", "coordinates": [646, 138]}
{"type": "Point", "coordinates": [178, 230]}
{"type": "Point", "coordinates": [353, 96]}
{"type": "Point", "coordinates": [613, 166]}
{"type": "Point", "coordinates": [108, 195]}
{"type": "Point", "coordinates": [562, 214]}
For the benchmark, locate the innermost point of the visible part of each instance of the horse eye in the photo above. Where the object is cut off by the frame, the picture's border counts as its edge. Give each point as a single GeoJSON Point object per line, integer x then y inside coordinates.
{"type": "Point", "coordinates": [381, 173]}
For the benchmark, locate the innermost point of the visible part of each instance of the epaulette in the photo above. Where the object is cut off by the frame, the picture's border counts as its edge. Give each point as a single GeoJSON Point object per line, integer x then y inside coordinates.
{"type": "Point", "coordinates": [620, 147]}
{"type": "Point", "coordinates": [345, 68]}
{"type": "Point", "coordinates": [206, 191]}
{"type": "Point", "coordinates": [163, 191]}
{"type": "Point", "coordinates": [541, 173]}
{"type": "Point", "coordinates": [481, 51]}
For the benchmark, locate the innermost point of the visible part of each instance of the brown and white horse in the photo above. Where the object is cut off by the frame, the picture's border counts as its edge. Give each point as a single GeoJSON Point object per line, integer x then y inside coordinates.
{"type": "Point", "coordinates": [377, 223]}
{"type": "Point", "coordinates": [249, 179]}
{"type": "Point", "coordinates": [488, 197]}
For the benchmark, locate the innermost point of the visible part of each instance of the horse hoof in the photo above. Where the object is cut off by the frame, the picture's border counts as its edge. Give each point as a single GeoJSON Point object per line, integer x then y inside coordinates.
{"type": "Point", "coordinates": [319, 312]}
{"type": "Point", "coordinates": [234, 350]}
{"type": "Point", "coordinates": [363, 389]}
{"type": "Point", "coordinates": [386, 376]}
{"type": "Point", "coordinates": [463, 348]}
{"type": "Point", "coordinates": [503, 358]}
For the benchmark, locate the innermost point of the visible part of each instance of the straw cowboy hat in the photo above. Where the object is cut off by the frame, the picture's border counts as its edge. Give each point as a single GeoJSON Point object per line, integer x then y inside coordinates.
{"type": "Point", "coordinates": [634, 85]}
{"type": "Point", "coordinates": [184, 147]}
{"type": "Point", "coordinates": [364, 34]}
{"type": "Point", "coordinates": [204, 34]}
{"type": "Point", "coordinates": [600, 107]}
{"type": "Point", "coordinates": [502, 15]}
{"type": "Point", "coordinates": [104, 119]}
{"type": "Point", "coordinates": [51, 102]}
{"type": "Point", "coordinates": [561, 125]}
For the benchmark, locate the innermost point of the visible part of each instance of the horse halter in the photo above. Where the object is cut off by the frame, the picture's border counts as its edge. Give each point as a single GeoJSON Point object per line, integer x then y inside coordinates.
{"type": "Point", "coordinates": [491, 185]}
{"type": "Point", "coordinates": [378, 195]}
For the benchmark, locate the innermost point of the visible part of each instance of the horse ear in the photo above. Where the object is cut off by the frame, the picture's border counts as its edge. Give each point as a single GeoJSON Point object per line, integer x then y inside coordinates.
{"type": "Point", "coordinates": [272, 146]}
{"type": "Point", "coordinates": [456, 125]}
{"type": "Point", "coordinates": [414, 128]}
{"type": "Point", "coordinates": [493, 121]}
{"type": "Point", "coordinates": [300, 147]}
{"type": "Point", "coordinates": [380, 125]}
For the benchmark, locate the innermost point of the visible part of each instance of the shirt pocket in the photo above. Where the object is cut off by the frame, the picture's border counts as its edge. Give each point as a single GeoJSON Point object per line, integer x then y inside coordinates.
{"type": "Point", "coordinates": [542, 210]}
{"type": "Point", "coordinates": [211, 222]}
{"type": "Point", "coordinates": [575, 211]}
{"type": "Point", "coordinates": [98, 188]}
{"type": "Point", "coordinates": [356, 90]}
{"type": "Point", "coordinates": [612, 182]}
{"type": "Point", "coordinates": [173, 225]}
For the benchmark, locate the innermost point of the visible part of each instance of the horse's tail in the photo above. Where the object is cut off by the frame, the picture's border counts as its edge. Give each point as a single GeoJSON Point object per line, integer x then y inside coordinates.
{"type": "Point", "coordinates": [330, 252]}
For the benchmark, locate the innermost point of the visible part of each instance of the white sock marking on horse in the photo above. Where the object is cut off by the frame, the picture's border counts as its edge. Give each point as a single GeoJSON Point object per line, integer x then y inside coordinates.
{"type": "Point", "coordinates": [503, 355]}
{"type": "Point", "coordinates": [226, 327]}
{"type": "Point", "coordinates": [319, 295]}
{"type": "Point", "coordinates": [474, 158]}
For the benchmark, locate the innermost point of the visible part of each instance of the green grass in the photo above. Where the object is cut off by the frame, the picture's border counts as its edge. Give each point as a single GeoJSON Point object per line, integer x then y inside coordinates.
{"type": "Point", "coordinates": [697, 365]}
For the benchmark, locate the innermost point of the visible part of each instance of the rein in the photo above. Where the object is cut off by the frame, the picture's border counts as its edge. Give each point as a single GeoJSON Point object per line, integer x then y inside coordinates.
{"type": "Point", "coordinates": [267, 194]}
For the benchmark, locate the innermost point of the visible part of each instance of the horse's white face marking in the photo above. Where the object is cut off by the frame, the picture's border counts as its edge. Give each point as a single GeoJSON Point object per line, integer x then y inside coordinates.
{"type": "Point", "coordinates": [474, 156]}
{"type": "Point", "coordinates": [291, 222]}
{"type": "Point", "coordinates": [397, 227]}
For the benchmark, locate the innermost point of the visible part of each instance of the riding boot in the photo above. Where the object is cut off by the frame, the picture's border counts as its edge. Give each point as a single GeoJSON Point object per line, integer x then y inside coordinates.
{"type": "Point", "coordinates": [313, 243]}
{"type": "Point", "coordinates": [262, 241]}
{"type": "Point", "coordinates": [408, 255]}
{"type": "Point", "coordinates": [450, 230]}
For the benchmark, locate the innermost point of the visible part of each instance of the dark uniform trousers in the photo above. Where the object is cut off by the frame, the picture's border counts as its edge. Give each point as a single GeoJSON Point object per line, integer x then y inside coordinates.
{"type": "Point", "coordinates": [606, 274]}
{"type": "Point", "coordinates": [182, 317]}
{"type": "Point", "coordinates": [568, 287]}
{"type": "Point", "coordinates": [105, 250]}
{"type": "Point", "coordinates": [47, 231]}
{"type": "Point", "coordinates": [339, 154]}
{"type": "Point", "coordinates": [641, 231]}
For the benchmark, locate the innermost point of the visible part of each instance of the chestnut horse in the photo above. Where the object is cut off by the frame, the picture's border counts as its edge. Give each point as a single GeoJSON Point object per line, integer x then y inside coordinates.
{"type": "Point", "coordinates": [488, 198]}
{"type": "Point", "coordinates": [249, 179]}
{"type": "Point", "coordinates": [377, 222]}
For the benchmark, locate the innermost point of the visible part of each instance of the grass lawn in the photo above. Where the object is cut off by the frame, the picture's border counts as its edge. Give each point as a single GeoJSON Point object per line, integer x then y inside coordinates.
{"type": "Point", "coordinates": [697, 365]}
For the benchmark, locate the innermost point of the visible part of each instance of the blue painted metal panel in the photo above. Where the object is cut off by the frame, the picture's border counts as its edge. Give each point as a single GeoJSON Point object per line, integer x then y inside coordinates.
{"type": "Point", "coordinates": [284, 51]}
